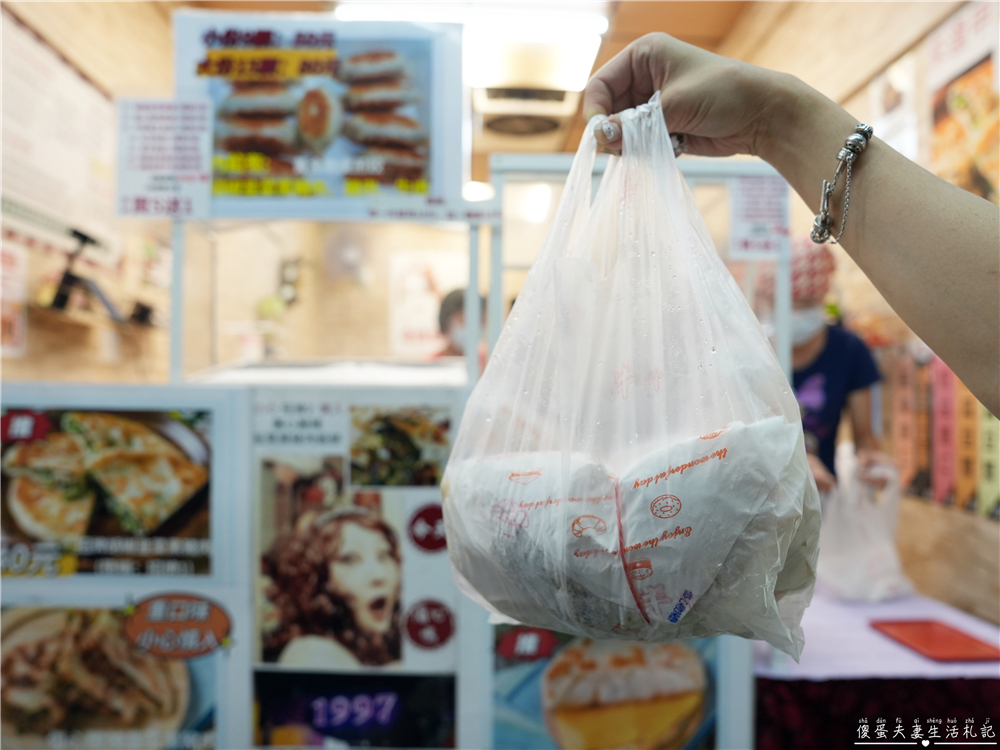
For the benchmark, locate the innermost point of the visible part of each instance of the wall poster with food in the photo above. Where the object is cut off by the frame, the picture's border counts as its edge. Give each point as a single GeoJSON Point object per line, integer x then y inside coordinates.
{"type": "Point", "coordinates": [356, 609]}
{"type": "Point", "coordinates": [101, 491]}
{"type": "Point", "coordinates": [109, 481]}
{"type": "Point", "coordinates": [962, 71]}
{"type": "Point", "coordinates": [557, 692]}
{"type": "Point", "coordinates": [310, 111]}
{"type": "Point", "coordinates": [141, 674]}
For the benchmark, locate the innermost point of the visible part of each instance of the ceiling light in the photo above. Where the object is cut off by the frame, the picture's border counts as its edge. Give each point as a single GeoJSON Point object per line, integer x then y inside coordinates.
{"type": "Point", "coordinates": [478, 191]}
{"type": "Point", "coordinates": [522, 20]}
{"type": "Point", "coordinates": [535, 201]}
{"type": "Point", "coordinates": [556, 43]}
{"type": "Point", "coordinates": [563, 64]}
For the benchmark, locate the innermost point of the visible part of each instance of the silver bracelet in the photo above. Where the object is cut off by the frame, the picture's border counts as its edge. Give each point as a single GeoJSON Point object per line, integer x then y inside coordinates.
{"type": "Point", "coordinates": [853, 146]}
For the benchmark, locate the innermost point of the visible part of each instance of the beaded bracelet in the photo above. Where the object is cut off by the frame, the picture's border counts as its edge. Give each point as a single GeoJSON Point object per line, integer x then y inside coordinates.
{"type": "Point", "coordinates": [853, 146]}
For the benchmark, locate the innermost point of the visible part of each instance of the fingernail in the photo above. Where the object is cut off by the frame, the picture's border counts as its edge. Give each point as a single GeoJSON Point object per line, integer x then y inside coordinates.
{"type": "Point", "coordinates": [611, 131]}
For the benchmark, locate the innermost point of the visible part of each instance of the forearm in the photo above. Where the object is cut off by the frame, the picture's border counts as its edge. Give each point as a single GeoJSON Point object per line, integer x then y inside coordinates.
{"type": "Point", "coordinates": [930, 248]}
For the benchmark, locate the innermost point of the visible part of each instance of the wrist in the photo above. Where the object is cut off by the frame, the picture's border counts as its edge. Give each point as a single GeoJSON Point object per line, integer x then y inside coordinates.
{"type": "Point", "coordinates": [801, 135]}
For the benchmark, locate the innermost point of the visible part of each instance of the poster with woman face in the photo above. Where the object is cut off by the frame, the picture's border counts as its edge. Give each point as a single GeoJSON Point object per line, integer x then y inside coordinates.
{"type": "Point", "coordinates": [355, 605]}
{"type": "Point", "coordinates": [331, 568]}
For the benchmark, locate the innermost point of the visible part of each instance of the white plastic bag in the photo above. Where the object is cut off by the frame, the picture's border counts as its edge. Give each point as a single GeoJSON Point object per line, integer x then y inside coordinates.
{"type": "Point", "coordinates": [858, 558]}
{"type": "Point", "coordinates": [631, 463]}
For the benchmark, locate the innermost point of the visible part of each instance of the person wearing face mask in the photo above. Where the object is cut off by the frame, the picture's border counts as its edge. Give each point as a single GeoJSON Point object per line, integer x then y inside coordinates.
{"type": "Point", "coordinates": [833, 370]}
{"type": "Point", "coordinates": [451, 320]}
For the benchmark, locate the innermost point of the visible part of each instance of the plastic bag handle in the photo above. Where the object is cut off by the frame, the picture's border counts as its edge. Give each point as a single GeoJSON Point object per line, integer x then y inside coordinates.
{"type": "Point", "coordinates": [646, 141]}
{"type": "Point", "coordinates": [578, 191]}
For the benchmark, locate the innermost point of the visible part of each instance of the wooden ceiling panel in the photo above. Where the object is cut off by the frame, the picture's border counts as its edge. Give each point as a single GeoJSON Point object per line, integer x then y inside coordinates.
{"type": "Point", "coordinates": [256, 6]}
{"type": "Point", "coordinates": [705, 24]}
{"type": "Point", "coordinates": [685, 19]}
{"type": "Point", "coordinates": [124, 48]}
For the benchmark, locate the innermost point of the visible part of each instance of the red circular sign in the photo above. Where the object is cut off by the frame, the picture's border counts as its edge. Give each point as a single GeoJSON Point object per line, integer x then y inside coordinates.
{"type": "Point", "coordinates": [427, 528]}
{"type": "Point", "coordinates": [583, 523]}
{"type": "Point", "coordinates": [429, 624]}
{"type": "Point", "coordinates": [639, 569]}
{"type": "Point", "coordinates": [665, 506]}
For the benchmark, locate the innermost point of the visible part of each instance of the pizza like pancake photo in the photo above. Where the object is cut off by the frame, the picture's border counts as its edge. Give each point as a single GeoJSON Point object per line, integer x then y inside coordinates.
{"type": "Point", "coordinates": [58, 457]}
{"type": "Point", "coordinates": [109, 436]}
{"type": "Point", "coordinates": [50, 512]}
{"type": "Point", "coordinates": [97, 475]}
{"type": "Point", "coordinates": [144, 491]}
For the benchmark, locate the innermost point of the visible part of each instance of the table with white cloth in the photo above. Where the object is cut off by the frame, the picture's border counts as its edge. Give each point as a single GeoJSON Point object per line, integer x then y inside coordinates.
{"type": "Point", "coordinates": [850, 672]}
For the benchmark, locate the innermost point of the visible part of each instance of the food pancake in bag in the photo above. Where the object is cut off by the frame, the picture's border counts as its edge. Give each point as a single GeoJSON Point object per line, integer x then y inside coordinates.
{"type": "Point", "coordinates": [320, 116]}
{"type": "Point", "coordinates": [385, 129]}
{"type": "Point", "coordinates": [390, 164]}
{"type": "Point", "coordinates": [378, 65]}
{"type": "Point", "coordinates": [262, 135]}
{"type": "Point", "coordinates": [380, 97]}
{"type": "Point", "coordinates": [267, 100]}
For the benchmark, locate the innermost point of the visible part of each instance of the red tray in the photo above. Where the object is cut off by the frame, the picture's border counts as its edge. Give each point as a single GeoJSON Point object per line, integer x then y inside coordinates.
{"type": "Point", "coordinates": [937, 641]}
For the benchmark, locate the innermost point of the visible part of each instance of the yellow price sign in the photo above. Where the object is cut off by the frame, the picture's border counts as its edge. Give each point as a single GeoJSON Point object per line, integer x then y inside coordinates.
{"type": "Point", "coordinates": [267, 63]}
{"type": "Point", "coordinates": [41, 559]}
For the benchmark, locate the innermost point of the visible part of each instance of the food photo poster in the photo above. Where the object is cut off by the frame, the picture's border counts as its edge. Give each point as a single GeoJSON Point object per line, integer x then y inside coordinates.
{"type": "Point", "coordinates": [93, 677]}
{"type": "Point", "coordinates": [318, 113]}
{"type": "Point", "coordinates": [105, 491]}
{"type": "Point", "coordinates": [357, 626]}
{"type": "Point", "coordinates": [962, 74]}
{"type": "Point", "coordinates": [558, 692]}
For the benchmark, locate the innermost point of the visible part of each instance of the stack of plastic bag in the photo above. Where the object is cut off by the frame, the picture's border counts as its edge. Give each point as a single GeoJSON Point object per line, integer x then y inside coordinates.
{"type": "Point", "coordinates": [858, 560]}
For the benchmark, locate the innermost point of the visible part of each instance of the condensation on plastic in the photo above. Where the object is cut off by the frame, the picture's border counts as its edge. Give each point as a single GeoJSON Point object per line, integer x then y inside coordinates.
{"type": "Point", "coordinates": [631, 464]}
{"type": "Point", "coordinates": [858, 560]}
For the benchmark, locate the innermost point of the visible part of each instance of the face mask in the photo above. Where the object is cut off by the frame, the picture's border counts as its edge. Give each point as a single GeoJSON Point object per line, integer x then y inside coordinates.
{"type": "Point", "coordinates": [806, 324]}
{"type": "Point", "coordinates": [456, 335]}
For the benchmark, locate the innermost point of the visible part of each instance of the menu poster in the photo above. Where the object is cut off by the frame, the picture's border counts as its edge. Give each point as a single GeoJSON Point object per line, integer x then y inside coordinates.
{"type": "Point", "coordinates": [356, 608]}
{"type": "Point", "coordinates": [942, 432]}
{"type": "Point", "coordinates": [988, 488]}
{"type": "Point", "coordinates": [13, 299]}
{"type": "Point", "coordinates": [114, 492]}
{"type": "Point", "coordinates": [962, 72]}
{"type": "Point", "coordinates": [58, 146]}
{"type": "Point", "coordinates": [164, 158]}
{"type": "Point", "coordinates": [758, 222]}
{"type": "Point", "coordinates": [966, 446]}
{"type": "Point", "coordinates": [112, 677]}
{"type": "Point", "coordinates": [549, 692]}
{"type": "Point", "coordinates": [316, 111]}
